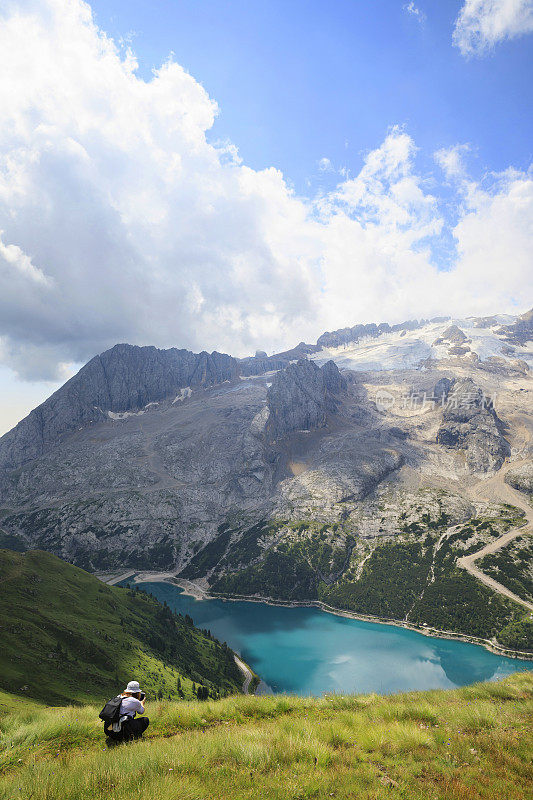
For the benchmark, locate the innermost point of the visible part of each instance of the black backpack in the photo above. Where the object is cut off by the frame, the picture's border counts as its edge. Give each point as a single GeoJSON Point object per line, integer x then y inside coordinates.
{"type": "Point", "coordinates": [111, 711]}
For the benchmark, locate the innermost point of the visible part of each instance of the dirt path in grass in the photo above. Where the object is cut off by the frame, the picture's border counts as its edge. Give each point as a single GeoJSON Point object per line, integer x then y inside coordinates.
{"type": "Point", "coordinates": [248, 675]}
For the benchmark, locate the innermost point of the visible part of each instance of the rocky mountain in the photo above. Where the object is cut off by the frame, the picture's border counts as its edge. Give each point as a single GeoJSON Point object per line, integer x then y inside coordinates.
{"type": "Point", "coordinates": [316, 472]}
{"type": "Point", "coordinates": [520, 331]}
{"type": "Point", "coordinates": [358, 333]}
{"type": "Point", "coordinates": [122, 379]}
{"type": "Point", "coordinates": [470, 423]}
{"type": "Point", "coordinates": [301, 396]}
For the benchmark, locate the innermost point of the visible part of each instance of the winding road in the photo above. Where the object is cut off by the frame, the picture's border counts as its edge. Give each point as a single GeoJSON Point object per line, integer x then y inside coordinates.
{"type": "Point", "coordinates": [495, 489]}
{"type": "Point", "coordinates": [248, 675]}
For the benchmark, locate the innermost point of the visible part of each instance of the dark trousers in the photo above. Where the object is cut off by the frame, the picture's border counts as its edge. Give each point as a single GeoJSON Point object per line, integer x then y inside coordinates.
{"type": "Point", "coordinates": [131, 729]}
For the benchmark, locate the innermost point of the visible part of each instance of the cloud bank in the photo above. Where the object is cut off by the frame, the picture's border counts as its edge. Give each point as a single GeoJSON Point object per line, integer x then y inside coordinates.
{"type": "Point", "coordinates": [120, 221]}
{"type": "Point", "coordinates": [483, 23]}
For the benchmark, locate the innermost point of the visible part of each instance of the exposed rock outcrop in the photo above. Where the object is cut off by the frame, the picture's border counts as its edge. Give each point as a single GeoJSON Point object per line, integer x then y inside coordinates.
{"type": "Point", "coordinates": [123, 378]}
{"type": "Point", "coordinates": [521, 477]}
{"type": "Point", "coordinates": [455, 340]}
{"type": "Point", "coordinates": [521, 331]}
{"type": "Point", "coordinates": [442, 389]}
{"type": "Point", "coordinates": [261, 363]}
{"type": "Point", "coordinates": [454, 335]}
{"type": "Point", "coordinates": [347, 468]}
{"type": "Point", "coordinates": [334, 382]}
{"type": "Point", "coordinates": [301, 396]}
{"type": "Point", "coordinates": [470, 423]}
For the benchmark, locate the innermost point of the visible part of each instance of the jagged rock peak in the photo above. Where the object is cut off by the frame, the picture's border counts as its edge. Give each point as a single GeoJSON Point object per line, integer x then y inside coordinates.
{"type": "Point", "coordinates": [333, 380]}
{"type": "Point", "coordinates": [120, 379]}
{"type": "Point", "coordinates": [454, 334]}
{"type": "Point", "coordinates": [301, 396]}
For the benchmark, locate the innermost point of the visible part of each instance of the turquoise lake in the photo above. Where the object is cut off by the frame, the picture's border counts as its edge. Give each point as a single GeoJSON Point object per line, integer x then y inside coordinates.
{"type": "Point", "coordinates": [308, 652]}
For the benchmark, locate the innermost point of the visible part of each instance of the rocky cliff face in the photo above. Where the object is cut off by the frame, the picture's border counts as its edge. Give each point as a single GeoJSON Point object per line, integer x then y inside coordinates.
{"type": "Point", "coordinates": [301, 396]}
{"type": "Point", "coordinates": [147, 455]}
{"type": "Point", "coordinates": [121, 379]}
{"type": "Point", "coordinates": [470, 423]}
{"type": "Point", "coordinates": [521, 331]}
{"type": "Point", "coordinates": [334, 383]}
{"type": "Point", "coordinates": [521, 478]}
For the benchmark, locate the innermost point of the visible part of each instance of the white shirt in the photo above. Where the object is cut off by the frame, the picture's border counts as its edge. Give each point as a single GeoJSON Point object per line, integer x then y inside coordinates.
{"type": "Point", "coordinates": [131, 706]}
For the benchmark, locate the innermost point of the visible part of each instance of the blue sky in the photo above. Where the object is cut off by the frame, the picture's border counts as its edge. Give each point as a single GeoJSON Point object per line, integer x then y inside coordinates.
{"type": "Point", "coordinates": [369, 161]}
{"type": "Point", "coordinates": [302, 80]}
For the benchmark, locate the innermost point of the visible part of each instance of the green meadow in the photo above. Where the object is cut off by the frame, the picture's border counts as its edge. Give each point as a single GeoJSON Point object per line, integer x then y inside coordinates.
{"type": "Point", "coordinates": [473, 743]}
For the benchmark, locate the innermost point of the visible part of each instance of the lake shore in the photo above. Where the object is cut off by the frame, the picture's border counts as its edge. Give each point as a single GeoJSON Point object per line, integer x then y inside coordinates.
{"type": "Point", "coordinates": [200, 592]}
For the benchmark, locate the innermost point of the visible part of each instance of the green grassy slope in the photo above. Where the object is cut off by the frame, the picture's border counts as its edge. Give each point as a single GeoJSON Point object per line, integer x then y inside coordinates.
{"type": "Point", "coordinates": [68, 637]}
{"type": "Point", "coordinates": [473, 743]}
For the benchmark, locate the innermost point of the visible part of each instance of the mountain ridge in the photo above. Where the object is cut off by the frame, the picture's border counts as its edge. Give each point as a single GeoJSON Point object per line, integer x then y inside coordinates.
{"type": "Point", "coordinates": [116, 380]}
{"type": "Point", "coordinates": [340, 467]}
{"type": "Point", "coordinates": [122, 378]}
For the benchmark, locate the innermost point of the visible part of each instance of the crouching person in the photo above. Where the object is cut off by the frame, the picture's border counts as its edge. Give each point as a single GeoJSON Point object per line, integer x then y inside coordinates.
{"type": "Point", "coordinates": [120, 715]}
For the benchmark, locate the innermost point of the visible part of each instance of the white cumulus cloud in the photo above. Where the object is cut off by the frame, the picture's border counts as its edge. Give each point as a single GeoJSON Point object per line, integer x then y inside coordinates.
{"type": "Point", "coordinates": [494, 236]}
{"type": "Point", "coordinates": [13, 257]}
{"type": "Point", "coordinates": [451, 160]}
{"type": "Point", "coordinates": [121, 221]}
{"type": "Point", "coordinates": [483, 23]}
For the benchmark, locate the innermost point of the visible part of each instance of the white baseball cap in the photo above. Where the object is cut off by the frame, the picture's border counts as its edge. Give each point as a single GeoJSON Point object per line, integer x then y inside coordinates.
{"type": "Point", "coordinates": [133, 687]}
